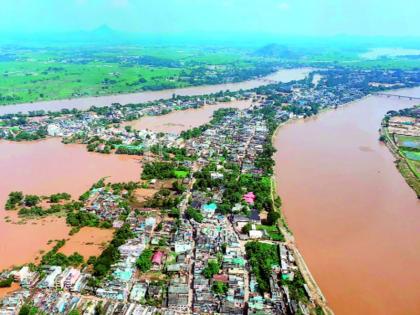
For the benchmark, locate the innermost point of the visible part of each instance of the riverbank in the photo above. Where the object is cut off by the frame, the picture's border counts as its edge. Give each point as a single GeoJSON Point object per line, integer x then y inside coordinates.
{"type": "Point", "coordinates": [401, 162]}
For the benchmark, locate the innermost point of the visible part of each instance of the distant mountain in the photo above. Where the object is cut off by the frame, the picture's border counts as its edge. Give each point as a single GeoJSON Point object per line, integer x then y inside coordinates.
{"type": "Point", "coordinates": [275, 50]}
{"type": "Point", "coordinates": [105, 31]}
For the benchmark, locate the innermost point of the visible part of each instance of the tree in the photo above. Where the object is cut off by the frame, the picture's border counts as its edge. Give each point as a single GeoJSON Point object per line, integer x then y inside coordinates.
{"type": "Point", "coordinates": [28, 309]}
{"type": "Point", "coordinates": [31, 200]}
{"type": "Point", "coordinates": [7, 283]}
{"type": "Point", "coordinates": [74, 312]}
{"type": "Point", "coordinates": [15, 198]}
{"type": "Point", "coordinates": [144, 262]}
{"type": "Point", "coordinates": [211, 269]}
{"type": "Point", "coordinates": [91, 260]}
{"type": "Point", "coordinates": [194, 214]}
{"type": "Point", "coordinates": [54, 198]}
{"type": "Point", "coordinates": [246, 228]}
{"type": "Point", "coordinates": [272, 217]}
{"type": "Point", "coordinates": [75, 259]}
{"type": "Point", "coordinates": [219, 287]}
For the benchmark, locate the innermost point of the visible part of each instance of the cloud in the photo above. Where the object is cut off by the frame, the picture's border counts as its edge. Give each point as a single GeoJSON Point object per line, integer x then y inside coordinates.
{"type": "Point", "coordinates": [283, 6]}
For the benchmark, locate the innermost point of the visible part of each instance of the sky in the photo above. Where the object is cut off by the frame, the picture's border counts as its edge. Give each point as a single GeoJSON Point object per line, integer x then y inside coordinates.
{"type": "Point", "coordinates": [282, 17]}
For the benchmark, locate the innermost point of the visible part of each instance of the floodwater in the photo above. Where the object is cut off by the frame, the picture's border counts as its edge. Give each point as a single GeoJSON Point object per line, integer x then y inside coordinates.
{"type": "Point", "coordinates": [284, 75]}
{"type": "Point", "coordinates": [355, 219]}
{"type": "Point", "coordinates": [46, 167]}
{"type": "Point", "coordinates": [89, 241]}
{"type": "Point", "coordinates": [178, 121]}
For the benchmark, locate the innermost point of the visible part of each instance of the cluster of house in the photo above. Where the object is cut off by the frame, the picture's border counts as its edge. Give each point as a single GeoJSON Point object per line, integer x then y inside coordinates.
{"type": "Point", "coordinates": [62, 302]}
{"type": "Point", "coordinates": [96, 122]}
{"type": "Point", "coordinates": [104, 204]}
{"type": "Point", "coordinates": [240, 136]}
{"type": "Point", "coordinates": [216, 241]}
{"type": "Point", "coordinates": [280, 301]}
{"type": "Point", "coordinates": [121, 282]}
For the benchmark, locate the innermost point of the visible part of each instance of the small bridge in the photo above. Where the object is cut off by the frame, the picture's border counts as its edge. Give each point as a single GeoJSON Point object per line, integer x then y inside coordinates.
{"type": "Point", "coordinates": [398, 96]}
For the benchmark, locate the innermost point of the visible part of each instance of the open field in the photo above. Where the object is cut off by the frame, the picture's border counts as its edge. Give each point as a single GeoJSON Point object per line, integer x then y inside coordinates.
{"type": "Point", "coordinates": [408, 141]}
{"type": "Point", "coordinates": [28, 75]}
{"type": "Point", "coordinates": [407, 160]}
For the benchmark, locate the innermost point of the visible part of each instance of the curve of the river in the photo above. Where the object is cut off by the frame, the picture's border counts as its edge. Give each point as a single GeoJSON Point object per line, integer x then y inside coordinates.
{"type": "Point", "coordinates": [284, 75]}
{"type": "Point", "coordinates": [355, 219]}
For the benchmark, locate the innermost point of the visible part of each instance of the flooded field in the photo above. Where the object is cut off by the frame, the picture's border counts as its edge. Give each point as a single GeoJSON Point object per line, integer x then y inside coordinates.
{"type": "Point", "coordinates": [46, 167]}
{"type": "Point", "coordinates": [355, 219]}
{"type": "Point", "coordinates": [89, 241]}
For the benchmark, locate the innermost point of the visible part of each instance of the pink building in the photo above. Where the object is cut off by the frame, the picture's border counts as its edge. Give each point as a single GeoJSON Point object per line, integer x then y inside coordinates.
{"type": "Point", "coordinates": [249, 198]}
{"type": "Point", "coordinates": [157, 258]}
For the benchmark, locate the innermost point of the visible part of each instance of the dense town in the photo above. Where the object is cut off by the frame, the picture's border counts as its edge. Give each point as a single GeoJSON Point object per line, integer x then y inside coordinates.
{"type": "Point", "coordinates": [201, 232]}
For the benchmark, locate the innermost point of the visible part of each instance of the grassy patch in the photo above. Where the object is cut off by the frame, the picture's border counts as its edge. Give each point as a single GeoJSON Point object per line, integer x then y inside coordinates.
{"type": "Point", "coordinates": [272, 231]}
{"type": "Point", "coordinates": [181, 174]}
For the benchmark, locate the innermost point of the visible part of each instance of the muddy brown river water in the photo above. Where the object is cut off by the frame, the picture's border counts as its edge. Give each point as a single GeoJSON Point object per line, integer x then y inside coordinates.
{"type": "Point", "coordinates": [356, 221]}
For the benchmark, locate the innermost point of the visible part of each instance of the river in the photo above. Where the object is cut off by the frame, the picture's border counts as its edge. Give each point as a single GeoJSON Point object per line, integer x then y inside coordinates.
{"type": "Point", "coordinates": [355, 219]}
{"type": "Point", "coordinates": [284, 75]}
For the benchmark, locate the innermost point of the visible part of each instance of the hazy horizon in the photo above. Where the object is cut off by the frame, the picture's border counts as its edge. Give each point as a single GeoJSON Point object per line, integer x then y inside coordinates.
{"type": "Point", "coordinates": [325, 18]}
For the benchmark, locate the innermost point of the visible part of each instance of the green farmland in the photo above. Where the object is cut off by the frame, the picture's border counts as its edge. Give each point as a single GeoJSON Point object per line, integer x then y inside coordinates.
{"type": "Point", "coordinates": [29, 75]}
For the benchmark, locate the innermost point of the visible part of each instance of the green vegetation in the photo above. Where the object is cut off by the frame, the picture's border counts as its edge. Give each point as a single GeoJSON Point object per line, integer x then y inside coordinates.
{"type": "Point", "coordinates": [28, 204]}
{"type": "Point", "coordinates": [6, 283]}
{"type": "Point", "coordinates": [163, 170]}
{"type": "Point", "coordinates": [272, 231]}
{"type": "Point", "coordinates": [262, 257]}
{"type": "Point", "coordinates": [31, 200]}
{"type": "Point", "coordinates": [54, 198]}
{"type": "Point", "coordinates": [28, 309]}
{"type": "Point", "coordinates": [20, 135]}
{"type": "Point", "coordinates": [130, 150]}
{"type": "Point", "coordinates": [407, 150]}
{"type": "Point", "coordinates": [54, 258]}
{"type": "Point", "coordinates": [44, 74]}
{"type": "Point", "coordinates": [163, 199]}
{"type": "Point", "coordinates": [212, 268]}
{"type": "Point", "coordinates": [218, 116]}
{"type": "Point", "coordinates": [219, 287]}
{"type": "Point", "coordinates": [194, 214]}
{"type": "Point", "coordinates": [144, 262]}
{"type": "Point", "coordinates": [15, 198]}
{"type": "Point", "coordinates": [296, 287]}
{"type": "Point", "coordinates": [82, 218]}
{"type": "Point", "coordinates": [179, 154]}
{"type": "Point", "coordinates": [246, 228]}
